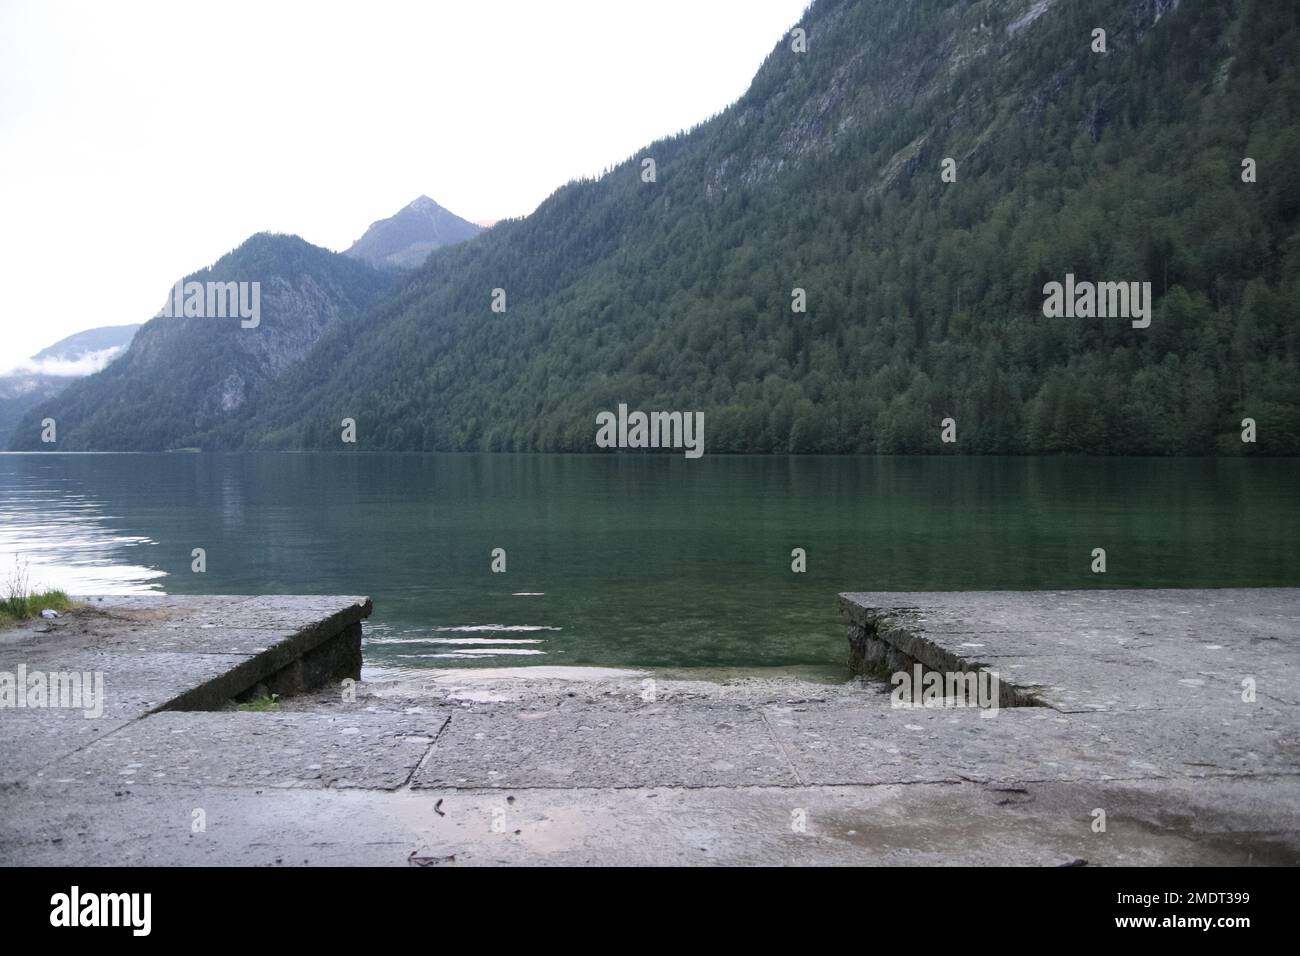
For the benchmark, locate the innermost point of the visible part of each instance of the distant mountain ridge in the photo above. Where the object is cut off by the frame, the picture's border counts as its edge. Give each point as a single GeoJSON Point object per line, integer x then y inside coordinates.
{"type": "Point", "coordinates": [405, 239]}
{"type": "Point", "coordinates": [80, 344]}
{"type": "Point", "coordinates": [182, 376]}
{"type": "Point", "coordinates": [53, 368]}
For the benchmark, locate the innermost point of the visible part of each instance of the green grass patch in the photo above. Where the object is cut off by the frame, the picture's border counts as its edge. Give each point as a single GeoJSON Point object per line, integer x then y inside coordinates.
{"type": "Point", "coordinates": [260, 705]}
{"type": "Point", "coordinates": [18, 602]}
{"type": "Point", "coordinates": [21, 607]}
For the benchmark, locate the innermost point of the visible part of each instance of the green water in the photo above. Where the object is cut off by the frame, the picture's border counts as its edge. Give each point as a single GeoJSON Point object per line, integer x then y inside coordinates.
{"type": "Point", "coordinates": [637, 560]}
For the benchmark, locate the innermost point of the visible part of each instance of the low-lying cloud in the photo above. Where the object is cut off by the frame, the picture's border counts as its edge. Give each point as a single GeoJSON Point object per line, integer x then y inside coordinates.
{"type": "Point", "coordinates": [81, 366]}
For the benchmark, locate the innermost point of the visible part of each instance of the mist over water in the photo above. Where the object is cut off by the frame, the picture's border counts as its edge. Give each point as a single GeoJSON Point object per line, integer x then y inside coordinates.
{"type": "Point", "coordinates": [635, 560]}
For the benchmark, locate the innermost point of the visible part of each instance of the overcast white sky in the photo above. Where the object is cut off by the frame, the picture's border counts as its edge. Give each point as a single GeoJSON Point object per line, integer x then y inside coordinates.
{"type": "Point", "coordinates": [140, 141]}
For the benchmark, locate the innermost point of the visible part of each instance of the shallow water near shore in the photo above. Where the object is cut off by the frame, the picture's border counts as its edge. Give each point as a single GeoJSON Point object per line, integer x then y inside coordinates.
{"type": "Point", "coordinates": [636, 561]}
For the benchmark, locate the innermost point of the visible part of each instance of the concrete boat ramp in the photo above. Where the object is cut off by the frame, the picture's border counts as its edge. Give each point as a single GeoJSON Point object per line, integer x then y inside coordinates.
{"type": "Point", "coordinates": [1136, 727]}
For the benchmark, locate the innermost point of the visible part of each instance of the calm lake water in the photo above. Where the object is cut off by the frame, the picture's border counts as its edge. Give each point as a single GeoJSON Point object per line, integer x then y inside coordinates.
{"type": "Point", "coordinates": [641, 561]}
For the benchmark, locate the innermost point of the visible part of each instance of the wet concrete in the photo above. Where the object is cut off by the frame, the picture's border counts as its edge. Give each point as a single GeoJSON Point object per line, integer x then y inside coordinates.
{"type": "Point", "coordinates": [157, 653]}
{"type": "Point", "coordinates": [591, 766]}
{"type": "Point", "coordinates": [1225, 821]}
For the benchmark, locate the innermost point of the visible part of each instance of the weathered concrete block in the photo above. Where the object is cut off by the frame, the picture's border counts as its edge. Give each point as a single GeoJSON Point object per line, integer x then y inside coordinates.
{"type": "Point", "coordinates": [1096, 650]}
{"type": "Point", "coordinates": [160, 653]}
{"type": "Point", "coordinates": [321, 650]}
{"type": "Point", "coordinates": [334, 659]}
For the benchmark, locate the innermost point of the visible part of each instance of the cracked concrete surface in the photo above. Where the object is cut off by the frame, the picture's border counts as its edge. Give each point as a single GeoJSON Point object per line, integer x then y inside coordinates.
{"type": "Point", "coordinates": [586, 766]}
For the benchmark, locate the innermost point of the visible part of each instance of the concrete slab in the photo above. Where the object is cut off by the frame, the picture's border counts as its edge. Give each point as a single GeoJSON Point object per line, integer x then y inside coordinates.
{"type": "Point", "coordinates": [31, 741]}
{"type": "Point", "coordinates": [851, 745]}
{"type": "Point", "coordinates": [1099, 650]}
{"type": "Point", "coordinates": [154, 652]}
{"type": "Point", "coordinates": [1226, 822]}
{"type": "Point", "coordinates": [590, 744]}
{"type": "Point", "coordinates": [1075, 684]}
{"type": "Point", "coordinates": [254, 749]}
{"type": "Point", "coordinates": [838, 745]}
{"type": "Point", "coordinates": [1147, 721]}
{"type": "Point", "coordinates": [133, 685]}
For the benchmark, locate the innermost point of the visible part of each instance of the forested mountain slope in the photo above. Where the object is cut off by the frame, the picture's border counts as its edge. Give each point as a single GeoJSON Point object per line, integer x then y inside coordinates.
{"type": "Point", "coordinates": [924, 297]}
{"type": "Point", "coordinates": [181, 376]}
{"type": "Point", "coordinates": [53, 368]}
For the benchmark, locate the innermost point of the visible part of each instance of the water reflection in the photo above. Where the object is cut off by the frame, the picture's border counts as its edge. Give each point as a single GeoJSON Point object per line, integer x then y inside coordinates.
{"type": "Point", "coordinates": [61, 537]}
{"type": "Point", "coordinates": [637, 561]}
